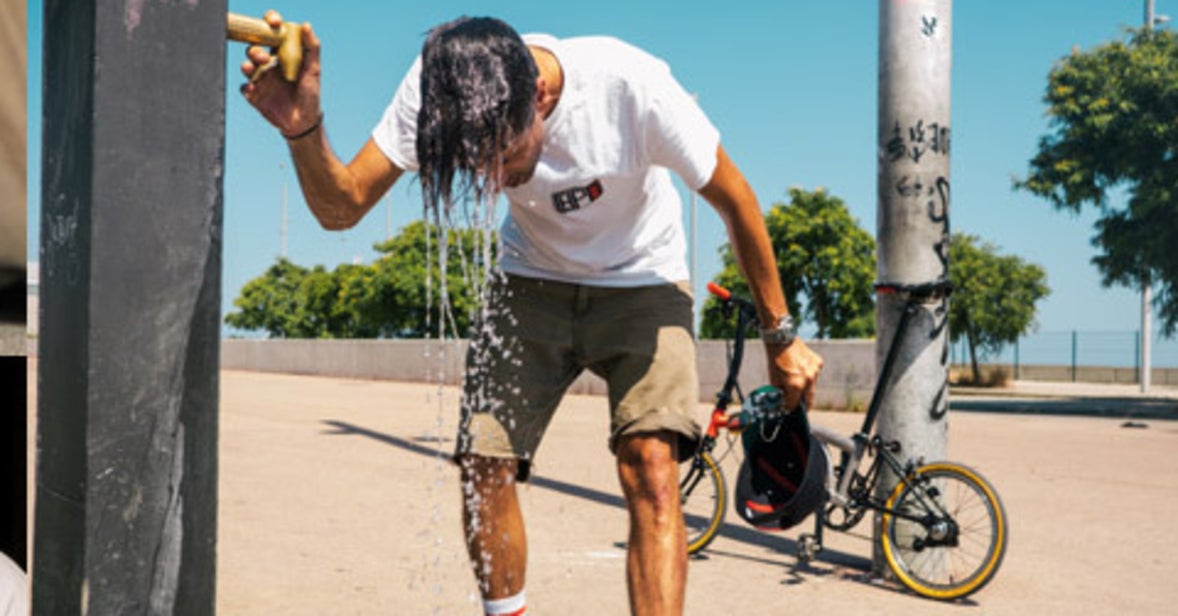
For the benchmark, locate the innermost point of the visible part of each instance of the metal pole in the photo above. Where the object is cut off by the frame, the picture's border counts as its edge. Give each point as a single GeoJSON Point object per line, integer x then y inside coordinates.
{"type": "Point", "coordinates": [913, 220]}
{"type": "Point", "coordinates": [1146, 360]}
{"type": "Point", "coordinates": [1075, 343]}
{"type": "Point", "coordinates": [1016, 362]}
{"type": "Point", "coordinates": [282, 213]}
{"type": "Point", "coordinates": [1145, 288]}
{"type": "Point", "coordinates": [284, 253]}
{"type": "Point", "coordinates": [1137, 354]}
{"type": "Point", "coordinates": [133, 159]}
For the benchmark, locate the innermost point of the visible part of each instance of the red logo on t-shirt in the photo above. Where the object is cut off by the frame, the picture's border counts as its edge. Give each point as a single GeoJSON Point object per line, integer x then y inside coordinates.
{"type": "Point", "coordinates": [566, 201]}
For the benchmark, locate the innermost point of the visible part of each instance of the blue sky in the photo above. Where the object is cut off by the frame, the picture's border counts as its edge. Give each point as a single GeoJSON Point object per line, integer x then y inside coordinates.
{"type": "Point", "coordinates": [790, 84]}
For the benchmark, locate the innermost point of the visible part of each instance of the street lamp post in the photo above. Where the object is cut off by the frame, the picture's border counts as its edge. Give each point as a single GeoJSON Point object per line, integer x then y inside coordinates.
{"type": "Point", "coordinates": [282, 221]}
{"type": "Point", "coordinates": [913, 220]}
{"type": "Point", "coordinates": [1146, 293]}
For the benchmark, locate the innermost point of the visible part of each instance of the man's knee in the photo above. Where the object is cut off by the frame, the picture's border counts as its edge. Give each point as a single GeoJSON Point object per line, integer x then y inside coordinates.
{"type": "Point", "coordinates": [648, 467]}
{"type": "Point", "coordinates": [484, 473]}
{"type": "Point", "coordinates": [649, 449]}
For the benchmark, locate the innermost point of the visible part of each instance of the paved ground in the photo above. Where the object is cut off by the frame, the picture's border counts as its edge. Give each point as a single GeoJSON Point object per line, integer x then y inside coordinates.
{"type": "Point", "coordinates": [1125, 402]}
{"type": "Point", "coordinates": [334, 499]}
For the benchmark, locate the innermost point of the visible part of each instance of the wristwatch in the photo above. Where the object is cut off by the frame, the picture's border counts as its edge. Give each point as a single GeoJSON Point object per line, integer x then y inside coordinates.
{"type": "Point", "coordinates": [783, 334]}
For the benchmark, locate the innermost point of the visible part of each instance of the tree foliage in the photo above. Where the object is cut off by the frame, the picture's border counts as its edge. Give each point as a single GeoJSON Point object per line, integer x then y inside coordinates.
{"type": "Point", "coordinates": [994, 296]}
{"type": "Point", "coordinates": [391, 298]}
{"type": "Point", "coordinates": [1112, 116]}
{"type": "Point", "coordinates": [822, 255]}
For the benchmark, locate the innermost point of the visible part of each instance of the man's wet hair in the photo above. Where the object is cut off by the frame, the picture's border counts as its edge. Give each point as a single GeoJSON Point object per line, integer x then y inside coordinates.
{"type": "Point", "coordinates": [478, 85]}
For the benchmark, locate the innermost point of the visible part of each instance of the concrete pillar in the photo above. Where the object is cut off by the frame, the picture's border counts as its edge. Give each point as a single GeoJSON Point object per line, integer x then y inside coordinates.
{"type": "Point", "coordinates": [133, 149]}
{"type": "Point", "coordinates": [14, 460]}
{"type": "Point", "coordinates": [913, 218]}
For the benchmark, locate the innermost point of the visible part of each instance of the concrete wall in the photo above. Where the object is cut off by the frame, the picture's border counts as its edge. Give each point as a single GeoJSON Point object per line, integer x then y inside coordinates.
{"type": "Point", "coordinates": [846, 381]}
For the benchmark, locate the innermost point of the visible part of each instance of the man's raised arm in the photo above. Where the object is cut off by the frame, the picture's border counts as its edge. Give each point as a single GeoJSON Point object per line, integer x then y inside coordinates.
{"type": "Point", "coordinates": [338, 195]}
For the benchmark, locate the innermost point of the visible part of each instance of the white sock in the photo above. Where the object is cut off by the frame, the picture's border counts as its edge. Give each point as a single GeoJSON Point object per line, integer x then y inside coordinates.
{"type": "Point", "coordinates": [508, 606]}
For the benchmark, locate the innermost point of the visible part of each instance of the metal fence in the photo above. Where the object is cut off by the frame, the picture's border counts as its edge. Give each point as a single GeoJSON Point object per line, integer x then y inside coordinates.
{"type": "Point", "coordinates": [1076, 348]}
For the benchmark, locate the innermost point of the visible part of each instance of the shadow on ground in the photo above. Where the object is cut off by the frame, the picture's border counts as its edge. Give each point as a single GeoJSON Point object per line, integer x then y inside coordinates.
{"type": "Point", "coordinates": [828, 562]}
{"type": "Point", "coordinates": [1113, 408]}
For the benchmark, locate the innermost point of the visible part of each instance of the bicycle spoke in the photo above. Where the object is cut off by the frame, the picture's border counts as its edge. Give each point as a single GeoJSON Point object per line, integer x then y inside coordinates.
{"type": "Point", "coordinates": [927, 559]}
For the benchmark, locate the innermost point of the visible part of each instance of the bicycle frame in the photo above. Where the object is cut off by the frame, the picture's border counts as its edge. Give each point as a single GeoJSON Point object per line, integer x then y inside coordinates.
{"type": "Point", "coordinates": [746, 315]}
{"type": "Point", "coordinates": [920, 512]}
{"type": "Point", "coordinates": [860, 444]}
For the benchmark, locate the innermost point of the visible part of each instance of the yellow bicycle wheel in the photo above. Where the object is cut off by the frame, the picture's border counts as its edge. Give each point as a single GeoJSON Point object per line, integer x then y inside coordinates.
{"type": "Point", "coordinates": [947, 535]}
{"type": "Point", "coordinates": [701, 491]}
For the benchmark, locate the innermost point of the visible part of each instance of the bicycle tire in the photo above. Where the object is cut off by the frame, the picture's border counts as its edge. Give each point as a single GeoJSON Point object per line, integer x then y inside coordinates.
{"type": "Point", "coordinates": [945, 572]}
{"type": "Point", "coordinates": [702, 495]}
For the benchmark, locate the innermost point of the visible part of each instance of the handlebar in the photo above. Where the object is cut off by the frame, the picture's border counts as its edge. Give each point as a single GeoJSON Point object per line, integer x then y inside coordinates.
{"type": "Point", "coordinates": [728, 299]}
{"type": "Point", "coordinates": [746, 315]}
{"type": "Point", "coordinates": [719, 291]}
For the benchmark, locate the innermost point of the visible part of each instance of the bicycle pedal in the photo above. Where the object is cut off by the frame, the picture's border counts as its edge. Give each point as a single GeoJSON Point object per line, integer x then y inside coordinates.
{"type": "Point", "coordinates": [808, 547]}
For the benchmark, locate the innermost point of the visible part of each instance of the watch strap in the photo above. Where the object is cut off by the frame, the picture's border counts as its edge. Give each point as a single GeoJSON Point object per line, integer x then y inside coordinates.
{"type": "Point", "coordinates": [784, 333]}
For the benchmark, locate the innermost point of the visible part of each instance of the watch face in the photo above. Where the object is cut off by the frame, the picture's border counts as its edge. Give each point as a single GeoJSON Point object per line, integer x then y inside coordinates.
{"type": "Point", "coordinates": [784, 333]}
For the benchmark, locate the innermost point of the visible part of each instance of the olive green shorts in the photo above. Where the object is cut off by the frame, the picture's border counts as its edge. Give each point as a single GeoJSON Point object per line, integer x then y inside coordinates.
{"type": "Point", "coordinates": [537, 336]}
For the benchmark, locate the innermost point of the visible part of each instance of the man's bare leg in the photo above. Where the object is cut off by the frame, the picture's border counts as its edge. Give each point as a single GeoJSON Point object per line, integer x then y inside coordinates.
{"type": "Point", "coordinates": [656, 565]}
{"type": "Point", "coordinates": [494, 525]}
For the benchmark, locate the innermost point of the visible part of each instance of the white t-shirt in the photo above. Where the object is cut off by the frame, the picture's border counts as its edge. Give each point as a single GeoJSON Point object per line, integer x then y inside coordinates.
{"type": "Point", "coordinates": [14, 591]}
{"type": "Point", "coordinates": [600, 208]}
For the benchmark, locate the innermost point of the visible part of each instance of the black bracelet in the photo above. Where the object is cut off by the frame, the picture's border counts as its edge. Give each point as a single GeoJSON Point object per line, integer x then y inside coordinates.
{"type": "Point", "coordinates": [314, 127]}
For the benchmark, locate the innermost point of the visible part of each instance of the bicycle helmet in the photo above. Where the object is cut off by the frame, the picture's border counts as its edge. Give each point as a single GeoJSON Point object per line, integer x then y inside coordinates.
{"type": "Point", "coordinates": [783, 477]}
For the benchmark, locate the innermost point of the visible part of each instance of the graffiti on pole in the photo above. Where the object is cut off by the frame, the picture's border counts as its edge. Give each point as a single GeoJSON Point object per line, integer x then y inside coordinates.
{"type": "Point", "coordinates": [928, 25]}
{"type": "Point", "coordinates": [917, 140]}
{"type": "Point", "coordinates": [912, 145]}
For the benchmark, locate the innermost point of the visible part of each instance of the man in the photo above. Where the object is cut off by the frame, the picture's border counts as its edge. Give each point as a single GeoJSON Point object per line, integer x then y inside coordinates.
{"type": "Point", "coordinates": [578, 135]}
{"type": "Point", "coordinates": [14, 591]}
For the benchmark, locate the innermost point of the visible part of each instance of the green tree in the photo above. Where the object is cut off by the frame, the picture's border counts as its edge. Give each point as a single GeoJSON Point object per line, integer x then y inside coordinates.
{"type": "Point", "coordinates": [272, 302]}
{"type": "Point", "coordinates": [1112, 115]}
{"type": "Point", "coordinates": [391, 298]}
{"type": "Point", "coordinates": [822, 254]}
{"type": "Point", "coordinates": [406, 300]}
{"type": "Point", "coordinates": [993, 299]}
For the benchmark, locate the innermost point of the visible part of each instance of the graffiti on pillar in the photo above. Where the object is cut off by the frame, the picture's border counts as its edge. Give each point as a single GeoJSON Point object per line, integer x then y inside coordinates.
{"type": "Point", "coordinates": [940, 405]}
{"type": "Point", "coordinates": [938, 203]}
{"type": "Point", "coordinates": [928, 25]}
{"type": "Point", "coordinates": [935, 193]}
{"type": "Point", "coordinates": [917, 140]}
{"type": "Point", "coordinates": [938, 212]}
{"type": "Point", "coordinates": [61, 252]}
{"type": "Point", "coordinates": [913, 143]}
{"type": "Point", "coordinates": [925, 189]}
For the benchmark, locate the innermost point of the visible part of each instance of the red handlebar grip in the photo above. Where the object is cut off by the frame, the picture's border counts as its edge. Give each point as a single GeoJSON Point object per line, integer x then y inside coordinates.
{"type": "Point", "coordinates": [719, 291]}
